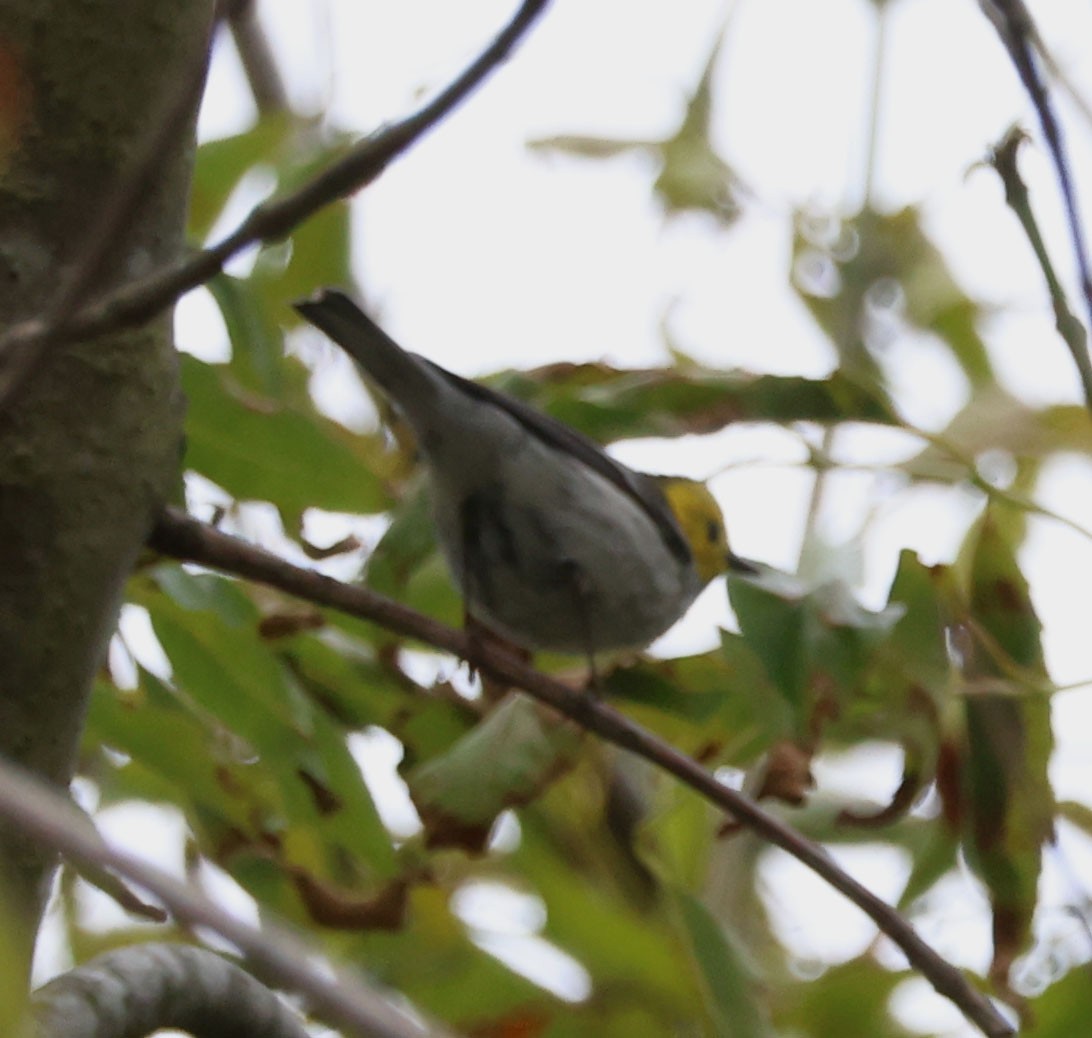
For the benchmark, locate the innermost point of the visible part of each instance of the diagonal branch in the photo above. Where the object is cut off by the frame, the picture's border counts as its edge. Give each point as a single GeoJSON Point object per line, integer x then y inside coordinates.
{"type": "Point", "coordinates": [139, 300]}
{"type": "Point", "coordinates": [1018, 33]}
{"type": "Point", "coordinates": [1003, 160]}
{"type": "Point", "coordinates": [262, 74]}
{"type": "Point", "coordinates": [283, 961]}
{"type": "Point", "coordinates": [178, 535]}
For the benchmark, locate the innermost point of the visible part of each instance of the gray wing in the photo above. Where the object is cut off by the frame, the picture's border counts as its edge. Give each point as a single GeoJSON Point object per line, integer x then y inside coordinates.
{"type": "Point", "coordinates": [397, 372]}
{"type": "Point", "coordinates": [641, 488]}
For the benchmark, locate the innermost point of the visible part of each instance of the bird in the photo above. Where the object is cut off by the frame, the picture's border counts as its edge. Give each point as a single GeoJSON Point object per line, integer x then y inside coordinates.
{"type": "Point", "coordinates": [554, 545]}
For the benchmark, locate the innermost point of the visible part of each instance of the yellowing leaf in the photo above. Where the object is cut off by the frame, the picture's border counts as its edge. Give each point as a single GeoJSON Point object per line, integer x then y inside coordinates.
{"type": "Point", "coordinates": [994, 779]}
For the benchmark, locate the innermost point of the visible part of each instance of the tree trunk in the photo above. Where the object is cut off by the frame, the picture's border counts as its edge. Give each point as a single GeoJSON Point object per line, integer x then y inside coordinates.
{"type": "Point", "coordinates": [90, 447]}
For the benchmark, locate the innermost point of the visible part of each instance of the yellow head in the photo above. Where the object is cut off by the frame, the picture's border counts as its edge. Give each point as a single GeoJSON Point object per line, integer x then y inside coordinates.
{"type": "Point", "coordinates": [702, 524]}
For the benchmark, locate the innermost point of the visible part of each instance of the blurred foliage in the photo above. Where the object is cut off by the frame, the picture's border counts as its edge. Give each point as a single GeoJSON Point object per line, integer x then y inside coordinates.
{"type": "Point", "coordinates": [257, 726]}
{"type": "Point", "coordinates": [691, 176]}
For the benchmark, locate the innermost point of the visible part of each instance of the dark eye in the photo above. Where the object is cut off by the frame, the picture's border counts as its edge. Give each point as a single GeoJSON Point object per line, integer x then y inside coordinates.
{"type": "Point", "coordinates": [712, 531]}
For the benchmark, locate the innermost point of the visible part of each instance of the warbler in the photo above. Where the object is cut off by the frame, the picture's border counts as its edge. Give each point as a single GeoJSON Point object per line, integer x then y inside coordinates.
{"type": "Point", "coordinates": [553, 544]}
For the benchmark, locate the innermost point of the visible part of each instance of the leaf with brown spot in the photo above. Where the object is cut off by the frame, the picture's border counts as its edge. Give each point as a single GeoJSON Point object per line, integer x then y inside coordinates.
{"type": "Point", "coordinates": [997, 786]}
{"type": "Point", "coordinates": [339, 909]}
{"type": "Point", "coordinates": [787, 776]}
{"type": "Point", "coordinates": [286, 622]}
{"type": "Point", "coordinates": [326, 801]}
{"type": "Point", "coordinates": [523, 1023]}
{"type": "Point", "coordinates": [609, 403]}
{"type": "Point", "coordinates": [505, 761]}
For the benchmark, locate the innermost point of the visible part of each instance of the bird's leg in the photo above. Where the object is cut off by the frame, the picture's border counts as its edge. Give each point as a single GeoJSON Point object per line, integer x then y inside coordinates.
{"type": "Point", "coordinates": [577, 581]}
{"type": "Point", "coordinates": [482, 636]}
{"type": "Point", "coordinates": [476, 515]}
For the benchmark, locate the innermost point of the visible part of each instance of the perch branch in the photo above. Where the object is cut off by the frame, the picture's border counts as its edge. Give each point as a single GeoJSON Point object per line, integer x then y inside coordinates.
{"type": "Point", "coordinates": [182, 537]}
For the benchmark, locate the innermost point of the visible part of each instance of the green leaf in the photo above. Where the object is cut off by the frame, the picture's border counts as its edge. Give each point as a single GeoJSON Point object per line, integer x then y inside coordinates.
{"type": "Point", "coordinates": [906, 684]}
{"type": "Point", "coordinates": [917, 648]}
{"type": "Point", "coordinates": [1000, 602]}
{"type": "Point", "coordinates": [407, 565]}
{"type": "Point", "coordinates": [693, 688]}
{"type": "Point", "coordinates": [679, 838]}
{"type": "Point", "coordinates": [1064, 1009]}
{"type": "Point", "coordinates": [611, 404]}
{"type": "Point", "coordinates": [257, 343]}
{"type": "Point", "coordinates": [343, 673]}
{"type": "Point", "coordinates": [728, 984]}
{"type": "Point", "coordinates": [185, 768]}
{"type": "Point", "coordinates": [692, 176]}
{"type": "Point", "coordinates": [295, 772]}
{"type": "Point", "coordinates": [206, 592]}
{"type": "Point", "coordinates": [257, 449]}
{"type": "Point", "coordinates": [505, 761]}
{"type": "Point", "coordinates": [773, 618]}
{"type": "Point", "coordinates": [846, 634]}
{"type": "Point", "coordinates": [434, 964]}
{"type": "Point", "coordinates": [873, 249]}
{"type": "Point", "coordinates": [719, 705]}
{"type": "Point", "coordinates": [226, 667]}
{"type": "Point", "coordinates": [817, 645]}
{"type": "Point", "coordinates": [348, 816]}
{"type": "Point", "coordinates": [222, 163]}
{"type": "Point", "coordinates": [994, 420]}
{"type": "Point", "coordinates": [850, 999]}
{"type": "Point", "coordinates": [318, 254]}
{"type": "Point", "coordinates": [929, 864]}
{"type": "Point", "coordinates": [1001, 751]}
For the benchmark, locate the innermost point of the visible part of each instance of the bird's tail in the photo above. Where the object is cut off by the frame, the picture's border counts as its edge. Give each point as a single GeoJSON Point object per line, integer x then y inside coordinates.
{"type": "Point", "coordinates": [403, 377]}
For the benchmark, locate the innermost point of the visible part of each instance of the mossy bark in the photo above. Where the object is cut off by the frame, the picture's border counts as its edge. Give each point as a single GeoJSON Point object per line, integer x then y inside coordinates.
{"type": "Point", "coordinates": [91, 446]}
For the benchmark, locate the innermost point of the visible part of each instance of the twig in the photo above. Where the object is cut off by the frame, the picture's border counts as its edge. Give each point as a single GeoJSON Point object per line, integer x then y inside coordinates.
{"type": "Point", "coordinates": [279, 959]}
{"type": "Point", "coordinates": [1073, 333]}
{"type": "Point", "coordinates": [1063, 78]}
{"type": "Point", "coordinates": [22, 355]}
{"type": "Point", "coordinates": [139, 300]}
{"type": "Point", "coordinates": [252, 45]}
{"type": "Point", "coordinates": [182, 537]}
{"type": "Point", "coordinates": [1018, 33]}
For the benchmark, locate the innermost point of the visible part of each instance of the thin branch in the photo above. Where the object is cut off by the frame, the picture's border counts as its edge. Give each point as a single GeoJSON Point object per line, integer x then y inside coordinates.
{"type": "Point", "coordinates": [1073, 333]}
{"type": "Point", "coordinates": [277, 958]}
{"type": "Point", "coordinates": [820, 489]}
{"type": "Point", "coordinates": [1063, 78]}
{"type": "Point", "coordinates": [139, 300]}
{"type": "Point", "coordinates": [178, 535]}
{"type": "Point", "coordinates": [262, 74]}
{"type": "Point", "coordinates": [1018, 33]}
{"type": "Point", "coordinates": [22, 355]}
